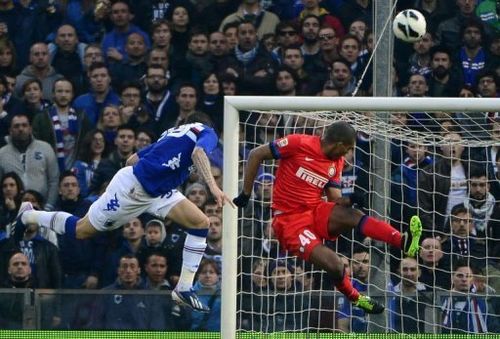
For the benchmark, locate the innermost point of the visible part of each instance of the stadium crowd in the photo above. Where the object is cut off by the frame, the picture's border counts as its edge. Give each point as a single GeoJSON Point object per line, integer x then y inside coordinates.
{"type": "Point", "coordinates": [85, 84]}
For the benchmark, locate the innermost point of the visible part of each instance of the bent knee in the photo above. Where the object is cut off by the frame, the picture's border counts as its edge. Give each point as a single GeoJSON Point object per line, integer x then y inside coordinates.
{"type": "Point", "coordinates": [201, 222]}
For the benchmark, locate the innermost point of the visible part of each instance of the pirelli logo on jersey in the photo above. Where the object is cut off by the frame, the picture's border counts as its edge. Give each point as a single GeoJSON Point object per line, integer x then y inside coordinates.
{"type": "Point", "coordinates": [311, 177]}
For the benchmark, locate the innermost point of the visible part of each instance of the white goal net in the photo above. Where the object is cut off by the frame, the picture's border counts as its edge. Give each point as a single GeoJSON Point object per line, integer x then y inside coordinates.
{"type": "Point", "coordinates": [431, 158]}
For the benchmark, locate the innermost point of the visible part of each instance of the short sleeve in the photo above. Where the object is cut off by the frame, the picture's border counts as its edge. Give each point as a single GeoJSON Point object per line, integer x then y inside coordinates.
{"type": "Point", "coordinates": [336, 180]}
{"type": "Point", "coordinates": [207, 139]}
{"type": "Point", "coordinates": [286, 146]}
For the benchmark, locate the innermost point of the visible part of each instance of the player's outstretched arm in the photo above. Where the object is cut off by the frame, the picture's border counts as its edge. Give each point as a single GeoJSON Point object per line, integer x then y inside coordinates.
{"type": "Point", "coordinates": [202, 164]}
{"type": "Point", "coordinates": [255, 158]}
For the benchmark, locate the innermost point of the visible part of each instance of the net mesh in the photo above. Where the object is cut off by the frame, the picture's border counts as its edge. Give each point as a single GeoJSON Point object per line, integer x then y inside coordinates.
{"type": "Point", "coordinates": [414, 158]}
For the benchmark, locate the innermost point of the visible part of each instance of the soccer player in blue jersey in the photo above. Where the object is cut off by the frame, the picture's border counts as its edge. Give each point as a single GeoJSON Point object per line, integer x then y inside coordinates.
{"type": "Point", "coordinates": [149, 185]}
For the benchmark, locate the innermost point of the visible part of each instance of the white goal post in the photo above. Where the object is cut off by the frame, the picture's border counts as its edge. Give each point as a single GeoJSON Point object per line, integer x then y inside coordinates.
{"type": "Point", "coordinates": [234, 104]}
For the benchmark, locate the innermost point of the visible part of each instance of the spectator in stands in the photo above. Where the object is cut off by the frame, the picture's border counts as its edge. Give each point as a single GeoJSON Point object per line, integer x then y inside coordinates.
{"type": "Point", "coordinates": [107, 168]}
{"type": "Point", "coordinates": [342, 78]}
{"type": "Point", "coordinates": [405, 182]}
{"type": "Point", "coordinates": [256, 285]}
{"type": "Point", "coordinates": [12, 306]}
{"type": "Point", "coordinates": [159, 100]}
{"type": "Point", "coordinates": [8, 62]}
{"type": "Point", "coordinates": [33, 160]}
{"type": "Point", "coordinates": [309, 28]}
{"type": "Point", "coordinates": [443, 184]}
{"type": "Point", "coordinates": [482, 204]}
{"type": "Point", "coordinates": [113, 43]}
{"type": "Point", "coordinates": [129, 311]}
{"type": "Point", "coordinates": [219, 49]}
{"type": "Point", "coordinates": [198, 55]}
{"type": "Point", "coordinates": [350, 11]}
{"type": "Point", "coordinates": [67, 55]}
{"type": "Point", "coordinates": [24, 26]}
{"type": "Point", "coordinates": [251, 10]}
{"type": "Point", "coordinates": [480, 282]}
{"type": "Point", "coordinates": [43, 257]}
{"type": "Point", "coordinates": [154, 236]}
{"type": "Point", "coordinates": [144, 138]}
{"type": "Point", "coordinates": [293, 58]}
{"type": "Point", "coordinates": [318, 66]}
{"type": "Point", "coordinates": [358, 28]}
{"type": "Point", "coordinates": [286, 82]}
{"type": "Point", "coordinates": [434, 11]}
{"type": "Point", "coordinates": [281, 316]}
{"type": "Point", "coordinates": [350, 318]}
{"type": "Point", "coordinates": [61, 126]}
{"type": "Point", "coordinates": [409, 304]}
{"type": "Point", "coordinates": [214, 241]}
{"type": "Point", "coordinates": [472, 55]}
{"type": "Point", "coordinates": [131, 242]}
{"type": "Point", "coordinates": [10, 200]}
{"type": "Point", "coordinates": [109, 121]}
{"type": "Point", "coordinates": [32, 95]}
{"type": "Point", "coordinates": [443, 81]}
{"type": "Point", "coordinates": [156, 267]}
{"type": "Point", "coordinates": [133, 67]}
{"type": "Point", "coordinates": [187, 99]}
{"type": "Point", "coordinates": [133, 111]}
{"type": "Point", "coordinates": [209, 289]}
{"type": "Point", "coordinates": [494, 163]}
{"type": "Point", "coordinates": [494, 53]}
{"type": "Point", "coordinates": [9, 106]}
{"type": "Point", "coordinates": [100, 94]}
{"type": "Point", "coordinates": [197, 193]}
{"type": "Point", "coordinates": [180, 15]}
{"type": "Point", "coordinates": [212, 100]}
{"type": "Point", "coordinates": [487, 84]}
{"type": "Point", "coordinates": [39, 68]}
{"type": "Point", "coordinates": [312, 7]}
{"type": "Point", "coordinates": [462, 312]}
{"type": "Point", "coordinates": [420, 60]}
{"type": "Point", "coordinates": [349, 49]}
{"type": "Point", "coordinates": [250, 62]}
{"type": "Point", "coordinates": [230, 31]}
{"type": "Point", "coordinates": [434, 267]}
{"type": "Point", "coordinates": [91, 151]}
{"type": "Point", "coordinates": [161, 35]}
{"type": "Point", "coordinates": [487, 11]}
{"type": "Point", "coordinates": [287, 36]}
{"type": "Point", "coordinates": [80, 259]}
{"type": "Point", "coordinates": [448, 31]}
{"type": "Point", "coordinates": [92, 54]}
{"type": "Point", "coordinates": [462, 244]}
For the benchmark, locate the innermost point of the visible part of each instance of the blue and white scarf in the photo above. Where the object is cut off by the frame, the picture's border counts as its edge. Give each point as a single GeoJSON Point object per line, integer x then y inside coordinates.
{"type": "Point", "coordinates": [245, 57]}
{"type": "Point", "coordinates": [59, 133]}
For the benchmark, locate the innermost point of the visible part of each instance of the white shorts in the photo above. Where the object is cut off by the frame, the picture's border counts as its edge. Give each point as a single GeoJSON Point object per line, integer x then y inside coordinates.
{"type": "Point", "coordinates": [125, 199]}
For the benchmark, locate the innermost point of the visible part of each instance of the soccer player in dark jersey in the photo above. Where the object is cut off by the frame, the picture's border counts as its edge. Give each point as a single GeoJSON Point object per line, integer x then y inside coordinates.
{"type": "Point", "coordinates": [308, 167]}
{"type": "Point", "coordinates": [149, 185]}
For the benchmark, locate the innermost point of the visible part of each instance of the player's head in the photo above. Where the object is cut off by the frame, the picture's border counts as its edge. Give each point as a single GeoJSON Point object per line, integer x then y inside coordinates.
{"type": "Point", "coordinates": [200, 117]}
{"type": "Point", "coordinates": [338, 139]}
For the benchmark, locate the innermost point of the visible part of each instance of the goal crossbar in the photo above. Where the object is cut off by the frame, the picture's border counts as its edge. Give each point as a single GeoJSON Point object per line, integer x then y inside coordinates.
{"type": "Point", "coordinates": [232, 106]}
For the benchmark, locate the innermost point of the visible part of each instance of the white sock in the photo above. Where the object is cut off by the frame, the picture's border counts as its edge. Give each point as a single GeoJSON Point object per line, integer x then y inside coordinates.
{"type": "Point", "coordinates": [194, 248]}
{"type": "Point", "coordinates": [56, 221]}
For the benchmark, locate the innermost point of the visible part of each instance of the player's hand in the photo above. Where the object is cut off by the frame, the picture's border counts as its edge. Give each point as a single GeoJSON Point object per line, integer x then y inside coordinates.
{"type": "Point", "coordinates": [221, 197]}
{"type": "Point", "coordinates": [242, 199]}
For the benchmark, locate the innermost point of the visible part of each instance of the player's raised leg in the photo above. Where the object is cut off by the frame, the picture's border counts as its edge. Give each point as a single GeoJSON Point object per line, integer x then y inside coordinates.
{"type": "Point", "coordinates": [328, 260]}
{"type": "Point", "coordinates": [190, 216]}
{"type": "Point", "coordinates": [344, 219]}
